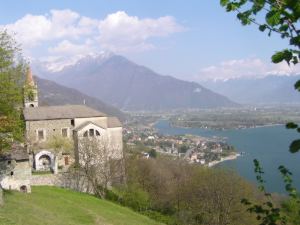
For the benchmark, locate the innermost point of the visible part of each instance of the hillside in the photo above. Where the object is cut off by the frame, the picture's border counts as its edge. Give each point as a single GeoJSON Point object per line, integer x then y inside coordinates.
{"type": "Point", "coordinates": [55, 206]}
{"type": "Point", "coordinates": [51, 93]}
{"type": "Point", "coordinates": [126, 85]}
{"type": "Point", "coordinates": [266, 90]}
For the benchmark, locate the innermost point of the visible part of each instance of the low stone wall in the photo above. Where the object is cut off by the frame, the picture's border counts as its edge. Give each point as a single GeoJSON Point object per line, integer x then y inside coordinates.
{"type": "Point", "coordinates": [74, 181]}
{"type": "Point", "coordinates": [47, 179]}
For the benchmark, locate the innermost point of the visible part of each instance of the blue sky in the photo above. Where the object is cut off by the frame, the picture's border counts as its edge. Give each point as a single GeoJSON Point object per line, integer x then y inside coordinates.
{"type": "Point", "coordinates": [192, 41]}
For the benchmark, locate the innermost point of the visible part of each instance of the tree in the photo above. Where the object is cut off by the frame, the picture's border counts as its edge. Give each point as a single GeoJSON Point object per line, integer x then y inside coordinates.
{"type": "Point", "coordinates": [12, 69]}
{"type": "Point", "coordinates": [281, 17]}
{"type": "Point", "coordinates": [11, 123]}
{"type": "Point", "coordinates": [95, 161]}
{"type": "Point", "coordinates": [187, 193]}
{"type": "Point", "coordinates": [60, 144]}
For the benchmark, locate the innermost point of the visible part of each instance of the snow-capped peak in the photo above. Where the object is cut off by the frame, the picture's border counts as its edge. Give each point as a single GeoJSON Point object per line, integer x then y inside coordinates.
{"type": "Point", "coordinates": [57, 64]}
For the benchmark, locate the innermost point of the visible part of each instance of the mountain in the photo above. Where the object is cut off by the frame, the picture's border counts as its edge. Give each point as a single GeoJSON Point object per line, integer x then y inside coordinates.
{"type": "Point", "coordinates": [267, 90]}
{"type": "Point", "coordinates": [51, 93]}
{"type": "Point", "coordinates": [129, 86]}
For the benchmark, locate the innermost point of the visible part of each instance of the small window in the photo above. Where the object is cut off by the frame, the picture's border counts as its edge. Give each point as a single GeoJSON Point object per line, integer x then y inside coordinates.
{"type": "Point", "coordinates": [41, 135]}
{"type": "Point", "coordinates": [66, 160]}
{"type": "Point", "coordinates": [97, 133]}
{"type": "Point", "coordinates": [12, 173]}
{"type": "Point", "coordinates": [64, 132]}
{"type": "Point", "coordinates": [72, 122]}
{"type": "Point", "coordinates": [8, 162]}
{"type": "Point", "coordinates": [91, 133]}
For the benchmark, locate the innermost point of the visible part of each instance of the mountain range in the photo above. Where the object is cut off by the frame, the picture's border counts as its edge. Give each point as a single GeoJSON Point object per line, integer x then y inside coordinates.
{"type": "Point", "coordinates": [267, 90]}
{"type": "Point", "coordinates": [51, 93]}
{"type": "Point", "coordinates": [122, 83]}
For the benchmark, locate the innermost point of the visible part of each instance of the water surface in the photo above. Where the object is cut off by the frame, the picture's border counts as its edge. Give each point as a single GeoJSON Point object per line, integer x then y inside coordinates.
{"type": "Point", "coordinates": [267, 144]}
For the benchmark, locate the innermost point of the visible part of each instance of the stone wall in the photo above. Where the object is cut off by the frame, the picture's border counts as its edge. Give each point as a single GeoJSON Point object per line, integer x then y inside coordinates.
{"type": "Point", "coordinates": [18, 177]}
{"type": "Point", "coordinates": [51, 127]}
{"type": "Point", "coordinates": [72, 180]}
{"type": "Point", "coordinates": [46, 179]}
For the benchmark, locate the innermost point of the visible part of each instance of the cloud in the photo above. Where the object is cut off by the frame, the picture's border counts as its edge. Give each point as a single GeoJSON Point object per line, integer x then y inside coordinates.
{"type": "Point", "coordinates": [121, 32]}
{"type": "Point", "coordinates": [247, 68]}
{"type": "Point", "coordinates": [68, 32]}
{"type": "Point", "coordinates": [67, 48]}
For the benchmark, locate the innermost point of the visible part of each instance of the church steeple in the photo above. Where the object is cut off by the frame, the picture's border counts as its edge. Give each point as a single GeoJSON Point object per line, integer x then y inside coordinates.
{"type": "Point", "coordinates": [29, 78]}
{"type": "Point", "coordinates": [30, 91]}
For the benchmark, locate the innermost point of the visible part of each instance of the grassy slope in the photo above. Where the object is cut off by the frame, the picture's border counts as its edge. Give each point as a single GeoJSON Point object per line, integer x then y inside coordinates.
{"type": "Point", "coordinates": [55, 206]}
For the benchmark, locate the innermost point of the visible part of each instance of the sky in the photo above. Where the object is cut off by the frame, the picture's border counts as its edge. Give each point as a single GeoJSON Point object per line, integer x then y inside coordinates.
{"type": "Point", "coordinates": [191, 40]}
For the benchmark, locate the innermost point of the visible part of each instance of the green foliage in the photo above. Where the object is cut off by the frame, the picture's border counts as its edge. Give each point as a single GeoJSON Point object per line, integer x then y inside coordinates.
{"type": "Point", "coordinates": [281, 17]}
{"type": "Point", "coordinates": [152, 153]}
{"type": "Point", "coordinates": [60, 144]}
{"type": "Point", "coordinates": [267, 213]}
{"type": "Point", "coordinates": [180, 193]}
{"type": "Point", "coordinates": [291, 208]}
{"type": "Point", "coordinates": [135, 198]}
{"type": "Point", "coordinates": [183, 148]}
{"type": "Point", "coordinates": [11, 97]}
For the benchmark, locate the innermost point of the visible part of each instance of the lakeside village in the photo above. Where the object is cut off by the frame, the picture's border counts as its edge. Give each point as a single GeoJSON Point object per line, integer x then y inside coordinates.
{"type": "Point", "coordinates": [195, 149]}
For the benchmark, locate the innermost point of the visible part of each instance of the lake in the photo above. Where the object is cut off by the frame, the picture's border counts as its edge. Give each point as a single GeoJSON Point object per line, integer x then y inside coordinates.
{"type": "Point", "coordinates": [268, 144]}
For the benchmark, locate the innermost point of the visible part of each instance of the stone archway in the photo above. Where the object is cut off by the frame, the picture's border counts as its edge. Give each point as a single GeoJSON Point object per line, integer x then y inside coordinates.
{"type": "Point", "coordinates": [44, 161]}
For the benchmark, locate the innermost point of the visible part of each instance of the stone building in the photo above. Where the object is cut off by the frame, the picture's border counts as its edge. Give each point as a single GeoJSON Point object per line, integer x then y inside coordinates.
{"type": "Point", "coordinates": [15, 169]}
{"type": "Point", "coordinates": [49, 129]}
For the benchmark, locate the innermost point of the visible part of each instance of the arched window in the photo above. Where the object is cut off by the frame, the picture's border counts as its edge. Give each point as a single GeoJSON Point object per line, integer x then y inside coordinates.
{"type": "Point", "coordinates": [85, 134]}
{"type": "Point", "coordinates": [91, 133]}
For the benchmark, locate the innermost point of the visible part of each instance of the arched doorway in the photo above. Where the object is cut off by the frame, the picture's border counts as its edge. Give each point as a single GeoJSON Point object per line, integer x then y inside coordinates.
{"type": "Point", "coordinates": [23, 188]}
{"type": "Point", "coordinates": [45, 162]}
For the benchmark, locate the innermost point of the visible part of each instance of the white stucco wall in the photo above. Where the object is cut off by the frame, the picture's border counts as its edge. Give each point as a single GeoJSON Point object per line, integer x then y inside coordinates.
{"type": "Point", "coordinates": [115, 137]}
{"type": "Point", "coordinates": [101, 121]}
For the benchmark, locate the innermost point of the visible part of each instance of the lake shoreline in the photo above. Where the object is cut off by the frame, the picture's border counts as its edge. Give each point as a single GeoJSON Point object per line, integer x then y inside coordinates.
{"type": "Point", "coordinates": [226, 129]}
{"type": "Point", "coordinates": [223, 159]}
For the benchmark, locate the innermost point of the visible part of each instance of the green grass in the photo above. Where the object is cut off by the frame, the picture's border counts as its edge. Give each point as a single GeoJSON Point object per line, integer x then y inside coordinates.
{"type": "Point", "coordinates": [56, 206]}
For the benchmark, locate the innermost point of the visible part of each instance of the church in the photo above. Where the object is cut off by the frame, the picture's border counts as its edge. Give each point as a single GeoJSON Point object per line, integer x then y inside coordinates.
{"type": "Point", "coordinates": [55, 134]}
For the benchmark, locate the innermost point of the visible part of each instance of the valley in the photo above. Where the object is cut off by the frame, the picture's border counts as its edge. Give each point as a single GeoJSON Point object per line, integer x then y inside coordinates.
{"type": "Point", "coordinates": [237, 118]}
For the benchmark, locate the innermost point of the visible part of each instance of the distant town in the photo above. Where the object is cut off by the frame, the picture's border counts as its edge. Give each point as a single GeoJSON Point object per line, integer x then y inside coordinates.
{"type": "Point", "coordinates": [195, 149]}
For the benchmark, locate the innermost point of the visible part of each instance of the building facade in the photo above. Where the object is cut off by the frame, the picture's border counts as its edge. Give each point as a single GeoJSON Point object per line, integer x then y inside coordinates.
{"type": "Point", "coordinates": [15, 169]}
{"type": "Point", "coordinates": [54, 134]}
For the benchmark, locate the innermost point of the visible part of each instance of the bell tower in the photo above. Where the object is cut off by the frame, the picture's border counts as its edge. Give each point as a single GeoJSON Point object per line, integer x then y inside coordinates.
{"type": "Point", "coordinates": [30, 91]}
